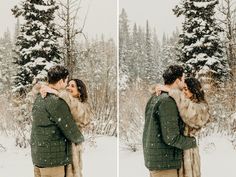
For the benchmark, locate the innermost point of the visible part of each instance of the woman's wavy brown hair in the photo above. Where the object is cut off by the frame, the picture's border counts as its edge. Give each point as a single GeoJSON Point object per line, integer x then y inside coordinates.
{"type": "Point", "coordinates": [195, 88]}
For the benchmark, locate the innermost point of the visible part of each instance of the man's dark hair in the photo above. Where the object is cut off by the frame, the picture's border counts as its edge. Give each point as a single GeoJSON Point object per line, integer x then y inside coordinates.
{"type": "Point", "coordinates": [172, 73]}
{"type": "Point", "coordinates": [57, 73]}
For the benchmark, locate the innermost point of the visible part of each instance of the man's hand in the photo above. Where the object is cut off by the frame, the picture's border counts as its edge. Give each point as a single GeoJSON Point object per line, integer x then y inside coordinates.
{"type": "Point", "coordinates": [45, 89]}
{"type": "Point", "coordinates": [159, 88]}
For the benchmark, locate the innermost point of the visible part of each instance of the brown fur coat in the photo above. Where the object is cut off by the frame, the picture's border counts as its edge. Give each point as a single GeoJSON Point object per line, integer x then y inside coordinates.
{"type": "Point", "coordinates": [82, 114]}
{"type": "Point", "coordinates": [195, 116]}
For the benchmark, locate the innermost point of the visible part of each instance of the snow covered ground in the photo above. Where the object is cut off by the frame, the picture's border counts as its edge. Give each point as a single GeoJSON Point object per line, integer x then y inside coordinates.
{"type": "Point", "coordinates": [217, 155]}
{"type": "Point", "coordinates": [99, 160]}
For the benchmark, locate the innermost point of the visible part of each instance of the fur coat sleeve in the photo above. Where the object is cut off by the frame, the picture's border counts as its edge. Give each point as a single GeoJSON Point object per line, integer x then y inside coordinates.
{"type": "Point", "coordinates": [81, 111]}
{"type": "Point", "coordinates": [195, 115]}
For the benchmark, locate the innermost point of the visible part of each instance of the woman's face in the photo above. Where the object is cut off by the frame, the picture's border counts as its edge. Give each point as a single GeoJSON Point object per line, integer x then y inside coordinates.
{"type": "Point", "coordinates": [72, 88]}
{"type": "Point", "coordinates": [187, 92]}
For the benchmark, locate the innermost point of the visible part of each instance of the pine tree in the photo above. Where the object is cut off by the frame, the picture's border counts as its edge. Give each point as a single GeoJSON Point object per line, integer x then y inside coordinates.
{"type": "Point", "coordinates": [141, 53]}
{"type": "Point", "coordinates": [170, 53]}
{"type": "Point", "coordinates": [156, 45]}
{"type": "Point", "coordinates": [6, 58]}
{"type": "Point", "coordinates": [37, 43]}
{"type": "Point", "coordinates": [148, 52]}
{"type": "Point", "coordinates": [17, 30]}
{"type": "Point", "coordinates": [156, 50]}
{"type": "Point", "coordinates": [164, 39]}
{"type": "Point", "coordinates": [202, 49]}
{"type": "Point", "coordinates": [124, 49]}
{"type": "Point", "coordinates": [134, 58]}
{"type": "Point", "coordinates": [15, 53]}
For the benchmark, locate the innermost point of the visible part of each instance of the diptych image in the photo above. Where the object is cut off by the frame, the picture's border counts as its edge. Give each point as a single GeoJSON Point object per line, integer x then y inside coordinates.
{"type": "Point", "coordinates": [115, 88]}
{"type": "Point", "coordinates": [58, 88]}
{"type": "Point", "coordinates": [177, 88]}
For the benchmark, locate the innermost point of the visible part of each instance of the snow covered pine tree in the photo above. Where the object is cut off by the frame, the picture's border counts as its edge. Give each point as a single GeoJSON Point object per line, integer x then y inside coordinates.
{"type": "Point", "coordinates": [202, 47]}
{"type": "Point", "coordinates": [37, 43]}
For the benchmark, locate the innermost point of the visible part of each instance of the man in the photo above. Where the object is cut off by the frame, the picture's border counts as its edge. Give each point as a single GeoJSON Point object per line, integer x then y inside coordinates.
{"type": "Point", "coordinates": [163, 139]}
{"type": "Point", "coordinates": [53, 129]}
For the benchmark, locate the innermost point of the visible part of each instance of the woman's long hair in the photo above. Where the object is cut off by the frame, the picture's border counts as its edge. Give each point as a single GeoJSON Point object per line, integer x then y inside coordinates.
{"type": "Point", "coordinates": [195, 88]}
{"type": "Point", "coordinates": [81, 87]}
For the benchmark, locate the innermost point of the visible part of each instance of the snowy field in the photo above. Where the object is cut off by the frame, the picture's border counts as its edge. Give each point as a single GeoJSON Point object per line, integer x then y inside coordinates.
{"type": "Point", "coordinates": [99, 160]}
{"type": "Point", "coordinates": [217, 155]}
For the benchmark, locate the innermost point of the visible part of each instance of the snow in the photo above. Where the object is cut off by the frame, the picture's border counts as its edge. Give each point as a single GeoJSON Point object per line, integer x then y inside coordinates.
{"type": "Point", "coordinates": [123, 81]}
{"type": "Point", "coordinates": [43, 7]}
{"type": "Point", "coordinates": [234, 116]}
{"type": "Point", "coordinates": [40, 61]}
{"type": "Point", "coordinates": [132, 164]}
{"type": "Point", "coordinates": [49, 65]}
{"type": "Point", "coordinates": [218, 158]}
{"type": "Point", "coordinates": [14, 162]}
{"type": "Point", "coordinates": [38, 46]}
{"type": "Point", "coordinates": [189, 35]}
{"type": "Point", "coordinates": [28, 37]}
{"type": "Point", "coordinates": [203, 4]}
{"type": "Point", "coordinates": [211, 61]}
{"type": "Point", "coordinates": [99, 160]}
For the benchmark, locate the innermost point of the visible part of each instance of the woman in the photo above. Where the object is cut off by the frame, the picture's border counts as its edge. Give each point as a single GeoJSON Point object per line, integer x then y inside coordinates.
{"type": "Point", "coordinates": [194, 112]}
{"type": "Point", "coordinates": [76, 97]}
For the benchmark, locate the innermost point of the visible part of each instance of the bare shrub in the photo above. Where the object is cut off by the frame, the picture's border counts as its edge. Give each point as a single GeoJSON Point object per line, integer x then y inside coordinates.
{"type": "Point", "coordinates": [132, 108]}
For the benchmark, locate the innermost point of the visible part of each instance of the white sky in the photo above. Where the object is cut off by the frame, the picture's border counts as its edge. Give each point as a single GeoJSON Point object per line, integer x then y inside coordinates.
{"type": "Point", "coordinates": [102, 17]}
{"type": "Point", "coordinates": [158, 12]}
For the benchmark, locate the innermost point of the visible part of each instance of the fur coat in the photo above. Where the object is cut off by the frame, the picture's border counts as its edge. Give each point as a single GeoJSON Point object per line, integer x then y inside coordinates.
{"type": "Point", "coordinates": [82, 114]}
{"type": "Point", "coordinates": [195, 116]}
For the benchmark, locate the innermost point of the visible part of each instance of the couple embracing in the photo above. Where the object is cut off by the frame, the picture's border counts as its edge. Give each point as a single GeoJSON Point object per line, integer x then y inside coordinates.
{"type": "Point", "coordinates": [173, 117]}
{"type": "Point", "coordinates": [60, 113]}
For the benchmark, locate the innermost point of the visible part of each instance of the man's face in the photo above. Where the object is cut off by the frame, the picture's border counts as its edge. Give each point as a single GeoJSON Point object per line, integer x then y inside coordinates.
{"type": "Point", "coordinates": [181, 83]}
{"type": "Point", "coordinates": [63, 83]}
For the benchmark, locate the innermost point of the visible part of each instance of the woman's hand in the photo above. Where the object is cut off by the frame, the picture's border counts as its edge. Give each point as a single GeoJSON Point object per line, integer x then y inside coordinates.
{"type": "Point", "coordinates": [45, 89]}
{"type": "Point", "coordinates": [159, 88]}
